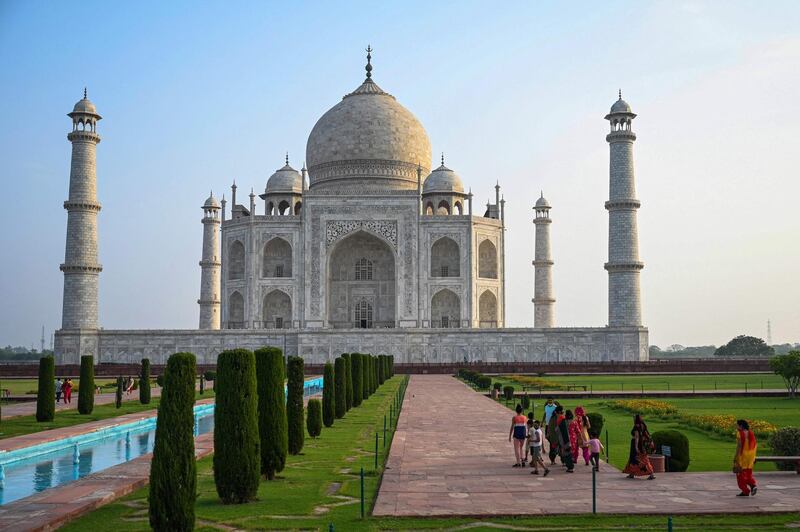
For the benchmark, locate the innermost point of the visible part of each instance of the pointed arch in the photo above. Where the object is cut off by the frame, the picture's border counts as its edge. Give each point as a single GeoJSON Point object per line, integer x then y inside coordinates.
{"type": "Point", "coordinates": [487, 310]}
{"type": "Point", "coordinates": [236, 261]}
{"type": "Point", "coordinates": [443, 209]}
{"type": "Point", "coordinates": [277, 258]}
{"type": "Point", "coordinates": [236, 311]}
{"type": "Point", "coordinates": [276, 310]}
{"type": "Point", "coordinates": [487, 260]}
{"type": "Point", "coordinates": [445, 258]}
{"type": "Point", "coordinates": [445, 309]}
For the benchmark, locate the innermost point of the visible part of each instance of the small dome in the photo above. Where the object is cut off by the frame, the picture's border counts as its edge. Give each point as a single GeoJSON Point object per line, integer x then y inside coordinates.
{"type": "Point", "coordinates": [286, 180]}
{"type": "Point", "coordinates": [443, 180]}
{"type": "Point", "coordinates": [620, 106]}
{"type": "Point", "coordinates": [211, 202]}
{"type": "Point", "coordinates": [542, 203]}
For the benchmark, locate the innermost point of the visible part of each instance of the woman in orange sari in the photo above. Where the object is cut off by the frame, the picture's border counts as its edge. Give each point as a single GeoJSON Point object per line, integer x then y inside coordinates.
{"type": "Point", "coordinates": [744, 459]}
{"type": "Point", "coordinates": [641, 445]}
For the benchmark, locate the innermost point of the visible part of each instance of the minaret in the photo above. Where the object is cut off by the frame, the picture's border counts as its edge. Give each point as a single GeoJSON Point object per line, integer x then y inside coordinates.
{"type": "Point", "coordinates": [543, 300]}
{"type": "Point", "coordinates": [210, 266]}
{"type": "Point", "coordinates": [81, 269]}
{"type": "Point", "coordinates": [623, 266]}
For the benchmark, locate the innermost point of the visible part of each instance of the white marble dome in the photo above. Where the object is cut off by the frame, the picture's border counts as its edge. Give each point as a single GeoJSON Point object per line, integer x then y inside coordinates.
{"type": "Point", "coordinates": [84, 106]}
{"type": "Point", "coordinates": [368, 140]}
{"type": "Point", "coordinates": [285, 180]}
{"type": "Point", "coordinates": [620, 106]}
{"type": "Point", "coordinates": [443, 181]}
{"type": "Point", "coordinates": [211, 202]}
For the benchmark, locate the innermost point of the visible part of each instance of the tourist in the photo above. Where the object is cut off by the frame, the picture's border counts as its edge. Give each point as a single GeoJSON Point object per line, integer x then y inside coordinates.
{"type": "Point", "coordinates": [519, 433]}
{"type": "Point", "coordinates": [744, 459]}
{"type": "Point", "coordinates": [535, 442]}
{"type": "Point", "coordinates": [641, 444]}
{"type": "Point", "coordinates": [549, 409]}
{"type": "Point", "coordinates": [579, 435]}
{"type": "Point", "coordinates": [551, 431]}
{"type": "Point", "coordinates": [59, 384]}
{"type": "Point", "coordinates": [595, 447]}
{"type": "Point", "coordinates": [67, 388]}
{"type": "Point", "coordinates": [562, 429]}
{"type": "Point", "coordinates": [129, 385]}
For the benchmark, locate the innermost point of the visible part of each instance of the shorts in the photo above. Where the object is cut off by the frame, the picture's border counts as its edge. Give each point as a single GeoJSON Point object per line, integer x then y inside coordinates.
{"type": "Point", "coordinates": [536, 452]}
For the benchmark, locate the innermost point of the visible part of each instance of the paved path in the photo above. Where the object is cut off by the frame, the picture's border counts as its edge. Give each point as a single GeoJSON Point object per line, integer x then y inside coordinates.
{"type": "Point", "coordinates": [29, 408]}
{"type": "Point", "coordinates": [451, 456]}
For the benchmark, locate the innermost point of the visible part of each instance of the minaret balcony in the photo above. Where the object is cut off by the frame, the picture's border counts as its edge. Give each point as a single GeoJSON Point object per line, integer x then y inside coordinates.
{"type": "Point", "coordinates": [623, 266]}
{"type": "Point", "coordinates": [621, 136]}
{"type": "Point", "coordinates": [90, 136]}
{"type": "Point", "coordinates": [623, 204]}
{"type": "Point", "coordinates": [82, 206]}
{"type": "Point", "coordinates": [81, 268]}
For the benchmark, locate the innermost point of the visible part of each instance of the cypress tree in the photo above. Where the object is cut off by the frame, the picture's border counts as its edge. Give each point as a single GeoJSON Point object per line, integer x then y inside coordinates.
{"type": "Point", "coordinates": [381, 375]}
{"type": "Point", "coordinates": [314, 422]}
{"type": "Point", "coordinates": [328, 395]}
{"type": "Point", "coordinates": [144, 382]}
{"type": "Point", "coordinates": [368, 376]}
{"type": "Point", "coordinates": [358, 375]}
{"type": "Point", "coordinates": [173, 470]}
{"type": "Point", "coordinates": [237, 448]}
{"type": "Point", "coordinates": [340, 387]}
{"type": "Point", "coordinates": [118, 398]}
{"type": "Point", "coordinates": [348, 380]}
{"type": "Point", "coordinates": [46, 392]}
{"type": "Point", "coordinates": [86, 385]}
{"type": "Point", "coordinates": [271, 411]}
{"type": "Point", "coordinates": [391, 365]}
{"type": "Point", "coordinates": [294, 405]}
{"type": "Point", "coordinates": [202, 384]}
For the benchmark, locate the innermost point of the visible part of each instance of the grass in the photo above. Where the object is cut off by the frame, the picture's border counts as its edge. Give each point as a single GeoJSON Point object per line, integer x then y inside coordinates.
{"type": "Point", "coordinates": [660, 382]}
{"type": "Point", "coordinates": [17, 426]}
{"type": "Point", "coordinates": [289, 503]}
{"type": "Point", "coordinates": [29, 386]}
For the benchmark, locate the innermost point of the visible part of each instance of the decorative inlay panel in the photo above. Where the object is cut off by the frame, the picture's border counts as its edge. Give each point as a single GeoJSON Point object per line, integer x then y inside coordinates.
{"type": "Point", "coordinates": [336, 229]}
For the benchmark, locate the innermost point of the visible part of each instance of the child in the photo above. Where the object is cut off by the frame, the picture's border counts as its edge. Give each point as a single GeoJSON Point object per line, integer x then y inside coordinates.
{"type": "Point", "coordinates": [535, 438]}
{"type": "Point", "coordinates": [595, 446]}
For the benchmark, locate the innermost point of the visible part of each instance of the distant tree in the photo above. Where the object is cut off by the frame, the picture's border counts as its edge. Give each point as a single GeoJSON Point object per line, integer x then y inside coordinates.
{"type": "Point", "coordinates": [655, 351]}
{"type": "Point", "coordinates": [788, 367]}
{"type": "Point", "coordinates": [745, 346]}
{"type": "Point", "coordinates": [675, 347]}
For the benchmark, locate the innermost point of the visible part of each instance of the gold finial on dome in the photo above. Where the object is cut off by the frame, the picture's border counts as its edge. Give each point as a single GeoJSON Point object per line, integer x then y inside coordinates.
{"type": "Point", "coordinates": [369, 65]}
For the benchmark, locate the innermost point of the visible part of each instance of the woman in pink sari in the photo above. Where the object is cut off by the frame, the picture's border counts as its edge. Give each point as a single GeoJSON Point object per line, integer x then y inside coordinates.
{"type": "Point", "coordinates": [579, 436]}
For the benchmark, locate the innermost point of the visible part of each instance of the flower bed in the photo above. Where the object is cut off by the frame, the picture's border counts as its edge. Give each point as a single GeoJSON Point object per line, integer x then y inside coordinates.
{"type": "Point", "coordinates": [536, 382]}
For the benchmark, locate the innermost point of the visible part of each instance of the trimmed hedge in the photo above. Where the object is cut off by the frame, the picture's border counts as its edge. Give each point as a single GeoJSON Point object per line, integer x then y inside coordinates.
{"type": "Point", "coordinates": [508, 392]}
{"type": "Point", "coordinates": [272, 426]}
{"type": "Point", "coordinates": [314, 421]}
{"type": "Point", "coordinates": [348, 381]}
{"type": "Point", "coordinates": [118, 398]}
{"type": "Point", "coordinates": [497, 386]}
{"type": "Point", "coordinates": [358, 378]}
{"type": "Point", "coordinates": [679, 446]}
{"type": "Point", "coordinates": [785, 442]}
{"type": "Point", "coordinates": [144, 382]}
{"type": "Point", "coordinates": [340, 387]}
{"type": "Point", "coordinates": [328, 395]}
{"type": "Point", "coordinates": [46, 393]}
{"type": "Point", "coordinates": [525, 401]}
{"type": "Point", "coordinates": [597, 421]}
{"type": "Point", "coordinates": [294, 405]}
{"type": "Point", "coordinates": [237, 446]}
{"type": "Point", "coordinates": [173, 470]}
{"type": "Point", "coordinates": [86, 385]}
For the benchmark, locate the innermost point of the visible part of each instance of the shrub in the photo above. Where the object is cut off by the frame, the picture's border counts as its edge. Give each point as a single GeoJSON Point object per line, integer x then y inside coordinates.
{"type": "Point", "coordinates": [358, 378]}
{"type": "Point", "coordinates": [86, 391]}
{"type": "Point", "coordinates": [596, 420]}
{"type": "Point", "coordinates": [173, 470]}
{"type": "Point", "coordinates": [46, 394]}
{"type": "Point", "coordinates": [328, 396]}
{"type": "Point", "coordinates": [785, 442]}
{"type": "Point", "coordinates": [144, 387]}
{"type": "Point", "coordinates": [118, 398]}
{"type": "Point", "coordinates": [525, 401]}
{"type": "Point", "coordinates": [508, 392]}
{"type": "Point", "coordinates": [484, 382]}
{"type": "Point", "coordinates": [272, 425]}
{"type": "Point", "coordinates": [679, 447]}
{"type": "Point", "coordinates": [348, 380]}
{"type": "Point", "coordinates": [497, 386]}
{"type": "Point", "coordinates": [340, 387]}
{"type": "Point", "coordinates": [294, 405]}
{"type": "Point", "coordinates": [237, 447]}
{"type": "Point", "coordinates": [314, 421]}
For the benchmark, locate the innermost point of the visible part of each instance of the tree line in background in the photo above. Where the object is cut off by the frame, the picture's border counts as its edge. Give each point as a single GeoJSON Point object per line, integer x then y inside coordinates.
{"type": "Point", "coordinates": [741, 346]}
{"type": "Point", "coordinates": [257, 423]}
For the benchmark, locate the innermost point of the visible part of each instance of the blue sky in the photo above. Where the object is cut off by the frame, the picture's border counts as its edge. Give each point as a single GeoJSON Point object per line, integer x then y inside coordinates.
{"type": "Point", "coordinates": [195, 94]}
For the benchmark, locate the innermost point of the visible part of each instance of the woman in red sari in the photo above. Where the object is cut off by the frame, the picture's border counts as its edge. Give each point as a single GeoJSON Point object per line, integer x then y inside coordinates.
{"type": "Point", "coordinates": [641, 444]}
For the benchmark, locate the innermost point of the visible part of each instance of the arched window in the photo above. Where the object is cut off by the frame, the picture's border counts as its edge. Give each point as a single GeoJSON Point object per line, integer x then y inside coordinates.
{"type": "Point", "coordinates": [236, 261]}
{"type": "Point", "coordinates": [297, 207]}
{"type": "Point", "coordinates": [270, 208]}
{"type": "Point", "coordinates": [236, 311]}
{"type": "Point", "coordinates": [277, 258]}
{"type": "Point", "coordinates": [445, 309]}
{"type": "Point", "coordinates": [443, 209]}
{"type": "Point", "coordinates": [429, 208]}
{"type": "Point", "coordinates": [277, 311]}
{"type": "Point", "coordinates": [445, 258]}
{"type": "Point", "coordinates": [487, 310]}
{"type": "Point", "coordinates": [487, 260]}
{"type": "Point", "coordinates": [283, 208]}
{"type": "Point", "coordinates": [362, 315]}
{"type": "Point", "coordinates": [458, 208]}
{"type": "Point", "coordinates": [364, 270]}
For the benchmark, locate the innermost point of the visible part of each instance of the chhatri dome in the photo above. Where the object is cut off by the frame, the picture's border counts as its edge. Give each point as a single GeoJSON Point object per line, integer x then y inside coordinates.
{"type": "Point", "coordinates": [211, 202]}
{"type": "Point", "coordinates": [443, 180]}
{"type": "Point", "coordinates": [285, 180]}
{"type": "Point", "coordinates": [369, 141]}
{"type": "Point", "coordinates": [84, 106]}
{"type": "Point", "coordinates": [620, 106]}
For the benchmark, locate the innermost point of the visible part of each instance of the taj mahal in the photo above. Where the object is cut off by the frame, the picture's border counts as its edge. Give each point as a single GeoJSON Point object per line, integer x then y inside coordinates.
{"type": "Point", "coordinates": [370, 247]}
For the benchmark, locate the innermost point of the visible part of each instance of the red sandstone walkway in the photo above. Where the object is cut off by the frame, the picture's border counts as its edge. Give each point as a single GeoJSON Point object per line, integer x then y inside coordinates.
{"type": "Point", "coordinates": [451, 456]}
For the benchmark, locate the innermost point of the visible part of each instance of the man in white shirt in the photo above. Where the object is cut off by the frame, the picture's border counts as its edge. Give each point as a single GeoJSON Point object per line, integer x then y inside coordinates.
{"type": "Point", "coordinates": [535, 439]}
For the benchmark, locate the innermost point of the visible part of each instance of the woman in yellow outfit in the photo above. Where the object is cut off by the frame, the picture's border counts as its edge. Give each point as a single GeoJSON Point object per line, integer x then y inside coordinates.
{"type": "Point", "coordinates": [745, 458]}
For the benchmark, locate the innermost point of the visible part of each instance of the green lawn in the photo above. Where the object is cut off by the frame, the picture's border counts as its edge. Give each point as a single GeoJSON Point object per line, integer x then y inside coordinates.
{"type": "Point", "coordinates": [29, 386]}
{"type": "Point", "coordinates": [660, 382]}
{"type": "Point", "coordinates": [18, 426]}
{"type": "Point", "coordinates": [300, 499]}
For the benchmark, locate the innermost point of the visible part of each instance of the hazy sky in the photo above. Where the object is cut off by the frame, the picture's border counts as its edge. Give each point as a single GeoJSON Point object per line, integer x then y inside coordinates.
{"type": "Point", "coordinates": [196, 94]}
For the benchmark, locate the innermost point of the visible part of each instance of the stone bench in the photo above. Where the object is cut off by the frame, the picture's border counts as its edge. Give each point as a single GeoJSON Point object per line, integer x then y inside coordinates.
{"type": "Point", "coordinates": [792, 459]}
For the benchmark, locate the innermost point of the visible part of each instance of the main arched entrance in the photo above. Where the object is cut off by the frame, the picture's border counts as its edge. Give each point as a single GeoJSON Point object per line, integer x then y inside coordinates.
{"type": "Point", "coordinates": [361, 283]}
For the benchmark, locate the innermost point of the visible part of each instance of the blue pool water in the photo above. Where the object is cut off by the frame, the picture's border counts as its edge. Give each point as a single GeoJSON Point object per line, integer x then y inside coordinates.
{"type": "Point", "coordinates": [26, 471]}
